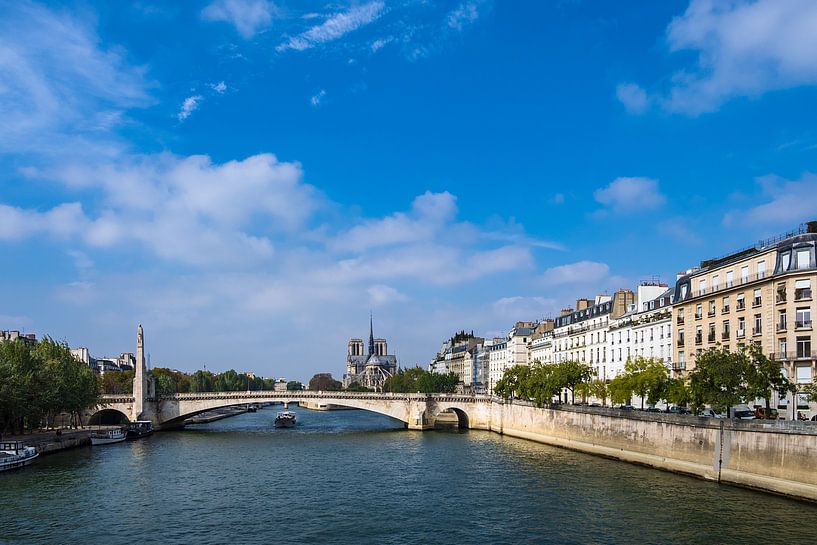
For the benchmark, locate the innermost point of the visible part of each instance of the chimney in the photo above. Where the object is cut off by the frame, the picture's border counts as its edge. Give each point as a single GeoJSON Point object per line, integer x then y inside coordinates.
{"type": "Point", "coordinates": [565, 311]}
{"type": "Point", "coordinates": [811, 226]}
{"type": "Point", "coordinates": [582, 304]}
{"type": "Point", "coordinates": [622, 299]}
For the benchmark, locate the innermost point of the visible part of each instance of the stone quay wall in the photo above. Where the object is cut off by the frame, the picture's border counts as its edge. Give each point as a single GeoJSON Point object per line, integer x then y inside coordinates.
{"type": "Point", "coordinates": [776, 456]}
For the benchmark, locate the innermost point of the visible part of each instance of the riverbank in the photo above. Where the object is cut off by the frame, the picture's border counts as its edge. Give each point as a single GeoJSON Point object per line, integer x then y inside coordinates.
{"type": "Point", "coordinates": [215, 415]}
{"type": "Point", "coordinates": [49, 442]}
{"type": "Point", "coordinates": [772, 456]}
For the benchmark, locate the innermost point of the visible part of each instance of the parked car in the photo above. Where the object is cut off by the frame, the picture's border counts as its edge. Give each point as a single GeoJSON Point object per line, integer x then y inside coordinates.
{"type": "Point", "coordinates": [742, 412]}
{"type": "Point", "coordinates": [654, 410]}
{"type": "Point", "coordinates": [761, 413]}
{"type": "Point", "coordinates": [710, 413]}
{"type": "Point", "coordinates": [678, 410]}
{"type": "Point", "coordinates": [625, 407]}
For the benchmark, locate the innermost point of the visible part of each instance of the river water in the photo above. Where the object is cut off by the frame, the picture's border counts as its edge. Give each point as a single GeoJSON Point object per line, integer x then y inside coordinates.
{"type": "Point", "coordinates": [359, 478]}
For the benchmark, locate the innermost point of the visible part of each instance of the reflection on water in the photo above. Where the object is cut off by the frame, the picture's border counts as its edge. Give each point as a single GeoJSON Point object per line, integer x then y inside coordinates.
{"type": "Point", "coordinates": [357, 477]}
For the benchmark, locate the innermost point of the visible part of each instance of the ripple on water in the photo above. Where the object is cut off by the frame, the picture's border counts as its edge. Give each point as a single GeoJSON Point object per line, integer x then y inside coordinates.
{"type": "Point", "coordinates": [355, 477]}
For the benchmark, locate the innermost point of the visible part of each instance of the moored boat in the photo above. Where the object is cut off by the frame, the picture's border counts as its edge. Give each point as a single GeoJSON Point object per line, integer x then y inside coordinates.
{"type": "Point", "coordinates": [13, 454]}
{"type": "Point", "coordinates": [108, 437]}
{"type": "Point", "coordinates": [285, 419]}
{"type": "Point", "coordinates": [139, 429]}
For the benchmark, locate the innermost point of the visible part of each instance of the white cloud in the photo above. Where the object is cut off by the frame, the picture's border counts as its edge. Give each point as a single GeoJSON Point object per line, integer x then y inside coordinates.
{"type": "Point", "coordinates": [335, 27]}
{"type": "Point", "coordinates": [787, 203]}
{"type": "Point", "coordinates": [380, 43]}
{"type": "Point", "coordinates": [190, 105]}
{"type": "Point", "coordinates": [430, 213]}
{"type": "Point", "coordinates": [62, 221]}
{"type": "Point", "coordinates": [581, 272]}
{"type": "Point", "coordinates": [317, 98]}
{"type": "Point", "coordinates": [625, 195]}
{"type": "Point", "coordinates": [463, 15]}
{"type": "Point", "coordinates": [381, 295]}
{"type": "Point", "coordinates": [247, 16]}
{"type": "Point", "coordinates": [59, 89]}
{"type": "Point", "coordinates": [633, 97]}
{"type": "Point", "coordinates": [743, 49]}
{"type": "Point", "coordinates": [219, 87]}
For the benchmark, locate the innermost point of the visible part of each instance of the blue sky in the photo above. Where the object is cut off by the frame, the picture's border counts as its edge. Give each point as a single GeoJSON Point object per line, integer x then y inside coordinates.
{"type": "Point", "coordinates": [248, 179]}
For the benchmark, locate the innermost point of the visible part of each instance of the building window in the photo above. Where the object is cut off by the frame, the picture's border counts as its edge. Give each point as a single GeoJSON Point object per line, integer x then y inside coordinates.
{"type": "Point", "coordinates": [716, 282]}
{"type": "Point", "coordinates": [802, 290]}
{"type": "Point", "coordinates": [803, 318]}
{"type": "Point", "coordinates": [804, 347]}
{"type": "Point", "coordinates": [781, 346]}
{"type": "Point", "coordinates": [711, 308]}
{"type": "Point", "coordinates": [725, 333]}
{"type": "Point", "coordinates": [741, 302]}
{"type": "Point", "coordinates": [757, 299]}
{"type": "Point", "coordinates": [803, 259]}
{"type": "Point", "coordinates": [725, 307]}
{"type": "Point", "coordinates": [711, 336]}
{"type": "Point", "coordinates": [761, 269]}
{"type": "Point", "coordinates": [758, 325]}
{"type": "Point", "coordinates": [781, 293]}
{"type": "Point", "coordinates": [680, 337]}
{"type": "Point", "coordinates": [702, 286]}
{"type": "Point", "coordinates": [785, 261]}
{"type": "Point", "coordinates": [803, 374]}
{"type": "Point", "coordinates": [741, 327]}
{"type": "Point", "coordinates": [699, 335]}
{"type": "Point", "coordinates": [730, 279]}
{"type": "Point", "coordinates": [781, 321]}
{"type": "Point", "coordinates": [699, 312]}
{"type": "Point", "coordinates": [744, 275]}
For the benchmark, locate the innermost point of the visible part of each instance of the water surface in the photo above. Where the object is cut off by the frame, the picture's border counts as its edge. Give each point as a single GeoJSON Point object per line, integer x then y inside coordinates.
{"type": "Point", "coordinates": [360, 478]}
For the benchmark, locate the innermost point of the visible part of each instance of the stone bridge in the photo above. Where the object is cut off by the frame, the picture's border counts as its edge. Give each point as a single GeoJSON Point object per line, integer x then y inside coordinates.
{"type": "Point", "coordinates": [416, 411]}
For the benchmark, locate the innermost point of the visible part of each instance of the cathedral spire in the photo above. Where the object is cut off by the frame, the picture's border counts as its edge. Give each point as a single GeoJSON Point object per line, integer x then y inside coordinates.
{"type": "Point", "coordinates": [371, 334]}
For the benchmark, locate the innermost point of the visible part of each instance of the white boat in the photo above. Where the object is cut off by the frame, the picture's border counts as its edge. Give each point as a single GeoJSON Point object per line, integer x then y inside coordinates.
{"type": "Point", "coordinates": [285, 419]}
{"type": "Point", "coordinates": [14, 454]}
{"type": "Point", "coordinates": [108, 437]}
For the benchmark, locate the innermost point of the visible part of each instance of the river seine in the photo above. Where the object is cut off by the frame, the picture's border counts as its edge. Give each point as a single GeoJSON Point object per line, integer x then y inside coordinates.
{"type": "Point", "coordinates": [359, 478]}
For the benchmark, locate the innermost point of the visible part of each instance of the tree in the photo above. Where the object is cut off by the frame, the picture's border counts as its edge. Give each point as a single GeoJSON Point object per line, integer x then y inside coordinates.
{"type": "Point", "coordinates": [679, 392]}
{"type": "Point", "coordinates": [324, 381]}
{"type": "Point", "coordinates": [416, 379]}
{"type": "Point", "coordinates": [600, 390]}
{"type": "Point", "coordinates": [720, 379]}
{"type": "Point", "coordinates": [570, 374]}
{"type": "Point", "coordinates": [620, 390]}
{"type": "Point", "coordinates": [514, 382]}
{"type": "Point", "coordinates": [293, 385]}
{"type": "Point", "coordinates": [765, 377]}
{"type": "Point", "coordinates": [201, 381]}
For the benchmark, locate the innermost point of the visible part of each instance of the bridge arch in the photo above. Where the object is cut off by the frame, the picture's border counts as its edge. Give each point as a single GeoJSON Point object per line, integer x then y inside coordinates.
{"type": "Point", "coordinates": [174, 410]}
{"type": "Point", "coordinates": [463, 421]}
{"type": "Point", "coordinates": [108, 417]}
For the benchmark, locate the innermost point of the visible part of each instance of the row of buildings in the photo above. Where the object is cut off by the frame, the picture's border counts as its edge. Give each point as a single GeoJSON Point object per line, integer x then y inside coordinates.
{"type": "Point", "coordinates": [760, 295]}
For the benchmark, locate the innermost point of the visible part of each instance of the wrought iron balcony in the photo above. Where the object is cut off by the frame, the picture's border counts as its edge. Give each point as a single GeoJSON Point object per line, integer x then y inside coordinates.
{"type": "Point", "coordinates": [802, 324]}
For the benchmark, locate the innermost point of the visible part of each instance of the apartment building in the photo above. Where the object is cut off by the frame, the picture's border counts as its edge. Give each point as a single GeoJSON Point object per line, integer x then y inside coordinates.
{"type": "Point", "coordinates": [540, 345]}
{"type": "Point", "coordinates": [497, 349]}
{"type": "Point", "coordinates": [581, 334]}
{"type": "Point", "coordinates": [761, 295]}
{"type": "Point", "coordinates": [645, 330]}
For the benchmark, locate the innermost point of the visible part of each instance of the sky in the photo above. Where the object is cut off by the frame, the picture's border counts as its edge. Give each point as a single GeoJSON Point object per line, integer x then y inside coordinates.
{"type": "Point", "coordinates": [250, 179]}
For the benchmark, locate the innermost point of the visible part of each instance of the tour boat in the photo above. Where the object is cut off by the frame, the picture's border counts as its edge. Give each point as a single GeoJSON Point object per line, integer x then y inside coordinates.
{"type": "Point", "coordinates": [285, 419]}
{"type": "Point", "coordinates": [252, 407]}
{"type": "Point", "coordinates": [139, 429]}
{"type": "Point", "coordinates": [14, 454]}
{"type": "Point", "coordinates": [108, 437]}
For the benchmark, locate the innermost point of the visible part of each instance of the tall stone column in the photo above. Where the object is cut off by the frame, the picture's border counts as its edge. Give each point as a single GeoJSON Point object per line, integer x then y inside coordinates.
{"type": "Point", "coordinates": [139, 390]}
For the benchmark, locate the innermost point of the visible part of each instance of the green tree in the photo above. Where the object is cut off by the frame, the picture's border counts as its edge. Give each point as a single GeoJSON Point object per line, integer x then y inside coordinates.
{"type": "Point", "coordinates": [720, 379]}
{"type": "Point", "coordinates": [571, 373]}
{"type": "Point", "coordinates": [600, 390]}
{"type": "Point", "coordinates": [620, 390]}
{"type": "Point", "coordinates": [766, 376]}
{"type": "Point", "coordinates": [325, 382]}
{"type": "Point", "coordinates": [514, 382]}
{"type": "Point", "coordinates": [293, 385]}
{"type": "Point", "coordinates": [201, 381]}
{"type": "Point", "coordinates": [679, 392]}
